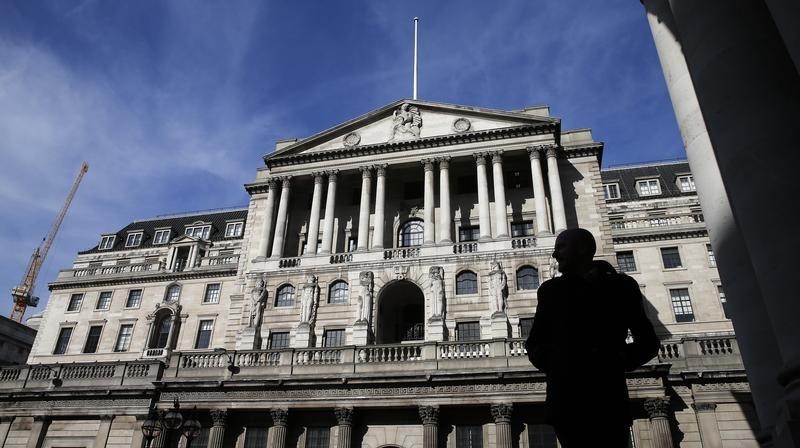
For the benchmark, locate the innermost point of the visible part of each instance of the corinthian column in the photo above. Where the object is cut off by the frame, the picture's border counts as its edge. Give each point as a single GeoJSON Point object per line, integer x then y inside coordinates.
{"type": "Point", "coordinates": [380, 206]}
{"type": "Point", "coordinates": [363, 212]}
{"type": "Point", "coordinates": [280, 224]}
{"type": "Point", "coordinates": [500, 217]}
{"type": "Point", "coordinates": [266, 230]}
{"type": "Point", "coordinates": [330, 204]}
{"type": "Point", "coordinates": [483, 198]}
{"type": "Point", "coordinates": [430, 425]}
{"type": "Point", "coordinates": [313, 221]}
{"type": "Point", "coordinates": [217, 434]}
{"type": "Point", "coordinates": [278, 430]}
{"type": "Point", "coordinates": [344, 416]}
{"type": "Point", "coordinates": [556, 196]}
{"type": "Point", "coordinates": [542, 223]}
{"type": "Point", "coordinates": [658, 411]}
{"type": "Point", "coordinates": [445, 218]}
{"type": "Point", "coordinates": [429, 229]}
{"type": "Point", "coordinates": [501, 413]}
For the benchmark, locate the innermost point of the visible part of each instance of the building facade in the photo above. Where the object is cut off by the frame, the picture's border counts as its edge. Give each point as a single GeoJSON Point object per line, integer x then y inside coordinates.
{"type": "Point", "coordinates": [376, 292]}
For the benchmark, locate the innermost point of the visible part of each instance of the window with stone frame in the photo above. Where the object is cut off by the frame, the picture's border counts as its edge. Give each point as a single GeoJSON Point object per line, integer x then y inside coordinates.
{"type": "Point", "coordinates": [173, 293]}
{"type": "Point", "coordinates": [333, 338]}
{"type": "Point", "coordinates": [212, 293]}
{"type": "Point", "coordinates": [681, 304]}
{"type": "Point", "coordinates": [234, 229]}
{"type": "Point", "coordinates": [466, 283]}
{"type": "Point", "coordinates": [522, 228]}
{"type": "Point", "coordinates": [285, 296]}
{"type": "Point", "coordinates": [103, 301]}
{"type": "Point", "coordinates": [525, 325]}
{"type": "Point", "coordinates": [671, 257]}
{"type": "Point", "coordinates": [204, 331]}
{"type": "Point", "coordinates": [162, 236]}
{"type": "Point", "coordinates": [124, 338]}
{"type": "Point", "coordinates": [611, 191]}
{"type": "Point", "coordinates": [134, 298]}
{"type": "Point", "coordinates": [527, 278]}
{"type": "Point", "coordinates": [278, 340]}
{"type": "Point", "coordinates": [686, 183]}
{"type": "Point", "coordinates": [318, 437]}
{"type": "Point", "coordinates": [62, 342]}
{"type": "Point", "coordinates": [469, 233]}
{"type": "Point", "coordinates": [411, 233]}
{"type": "Point", "coordinates": [469, 436]}
{"type": "Point", "coordinates": [74, 303]}
{"type": "Point", "coordinates": [106, 242]}
{"type": "Point", "coordinates": [199, 231]}
{"type": "Point", "coordinates": [625, 261]}
{"type": "Point", "coordinates": [337, 294]}
{"type": "Point", "coordinates": [468, 331]}
{"type": "Point", "coordinates": [134, 239]}
{"type": "Point", "coordinates": [648, 187]}
{"type": "Point", "coordinates": [92, 339]}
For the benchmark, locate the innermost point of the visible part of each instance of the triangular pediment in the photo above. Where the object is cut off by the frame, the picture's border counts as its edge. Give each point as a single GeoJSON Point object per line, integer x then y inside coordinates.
{"type": "Point", "coordinates": [409, 120]}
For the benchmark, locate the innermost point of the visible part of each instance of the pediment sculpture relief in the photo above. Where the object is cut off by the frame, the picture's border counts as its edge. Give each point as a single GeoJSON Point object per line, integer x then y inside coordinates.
{"type": "Point", "coordinates": [406, 123]}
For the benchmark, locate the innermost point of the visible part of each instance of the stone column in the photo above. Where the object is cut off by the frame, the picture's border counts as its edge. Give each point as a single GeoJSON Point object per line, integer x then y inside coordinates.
{"type": "Point", "coordinates": [312, 232]}
{"type": "Point", "coordinates": [216, 436]}
{"type": "Point", "coordinates": [445, 214]}
{"type": "Point", "coordinates": [102, 433]}
{"type": "Point", "coordinates": [658, 412]}
{"type": "Point", "coordinates": [707, 423]}
{"type": "Point", "coordinates": [280, 224]}
{"type": "Point", "coordinates": [483, 198]}
{"type": "Point", "coordinates": [556, 196]}
{"type": "Point", "coordinates": [540, 201]}
{"type": "Point", "coordinates": [500, 217]}
{"type": "Point", "coordinates": [430, 426]}
{"type": "Point", "coordinates": [5, 427]}
{"type": "Point", "coordinates": [363, 211]}
{"type": "Point", "coordinates": [345, 418]}
{"type": "Point", "coordinates": [429, 232]}
{"type": "Point", "coordinates": [330, 205]}
{"type": "Point", "coordinates": [38, 431]}
{"type": "Point", "coordinates": [501, 413]}
{"type": "Point", "coordinates": [278, 430]}
{"type": "Point", "coordinates": [266, 230]}
{"type": "Point", "coordinates": [380, 206]}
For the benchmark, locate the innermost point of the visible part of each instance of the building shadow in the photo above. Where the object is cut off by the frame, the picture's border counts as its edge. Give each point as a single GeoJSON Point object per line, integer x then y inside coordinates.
{"type": "Point", "coordinates": [569, 176]}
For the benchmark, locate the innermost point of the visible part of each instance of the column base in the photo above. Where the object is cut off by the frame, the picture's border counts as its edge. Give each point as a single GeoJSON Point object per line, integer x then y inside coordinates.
{"type": "Point", "coordinates": [503, 236]}
{"type": "Point", "coordinates": [448, 241]}
{"type": "Point", "coordinates": [484, 238]}
{"type": "Point", "coordinates": [378, 247]}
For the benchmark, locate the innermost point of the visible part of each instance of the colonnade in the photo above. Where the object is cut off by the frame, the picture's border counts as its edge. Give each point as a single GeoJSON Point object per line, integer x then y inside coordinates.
{"type": "Point", "coordinates": [271, 242]}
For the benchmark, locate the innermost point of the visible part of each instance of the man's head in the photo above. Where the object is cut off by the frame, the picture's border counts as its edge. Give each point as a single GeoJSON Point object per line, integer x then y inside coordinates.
{"type": "Point", "coordinates": [574, 250]}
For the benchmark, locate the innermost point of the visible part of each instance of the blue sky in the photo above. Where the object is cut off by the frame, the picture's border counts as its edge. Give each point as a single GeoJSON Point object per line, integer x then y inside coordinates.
{"type": "Point", "coordinates": [173, 103]}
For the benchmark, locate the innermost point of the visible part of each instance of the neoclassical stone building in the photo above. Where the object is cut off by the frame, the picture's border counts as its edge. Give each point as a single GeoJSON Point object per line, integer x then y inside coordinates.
{"type": "Point", "coordinates": [376, 292]}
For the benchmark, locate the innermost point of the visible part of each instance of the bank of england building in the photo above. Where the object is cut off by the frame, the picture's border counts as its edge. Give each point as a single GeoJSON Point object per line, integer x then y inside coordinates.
{"type": "Point", "coordinates": [376, 292]}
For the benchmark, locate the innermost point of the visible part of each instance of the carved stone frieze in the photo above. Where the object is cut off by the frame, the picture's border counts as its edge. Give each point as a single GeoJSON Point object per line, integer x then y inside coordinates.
{"type": "Point", "coordinates": [717, 387]}
{"type": "Point", "coordinates": [501, 413]}
{"type": "Point", "coordinates": [429, 415]}
{"type": "Point", "coordinates": [116, 403]}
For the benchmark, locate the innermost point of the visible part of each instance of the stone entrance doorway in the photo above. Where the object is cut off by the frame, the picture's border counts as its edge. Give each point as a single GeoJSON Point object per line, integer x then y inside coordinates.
{"type": "Point", "coordinates": [401, 313]}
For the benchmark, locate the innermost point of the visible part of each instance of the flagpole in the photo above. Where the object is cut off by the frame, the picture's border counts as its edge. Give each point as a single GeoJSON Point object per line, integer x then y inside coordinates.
{"type": "Point", "coordinates": [416, 21]}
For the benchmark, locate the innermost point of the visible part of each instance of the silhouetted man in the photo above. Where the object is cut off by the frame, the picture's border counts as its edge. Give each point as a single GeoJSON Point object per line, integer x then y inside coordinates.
{"type": "Point", "coordinates": [578, 340]}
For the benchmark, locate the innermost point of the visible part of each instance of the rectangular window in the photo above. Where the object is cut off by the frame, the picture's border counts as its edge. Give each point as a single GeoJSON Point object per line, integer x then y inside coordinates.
{"type": "Point", "coordinates": [134, 239]}
{"type": "Point", "coordinates": [686, 184]}
{"type": "Point", "coordinates": [318, 437]}
{"type": "Point", "coordinates": [63, 341]}
{"type": "Point", "coordinates": [625, 261]}
{"type": "Point", "coordinates": [234, 229]}
{"type": "Point", "coordinates": [107, 242]}
{"type": "Point", "coordinates": [648, 187]}
{"type": "Point", "coordinates": [161, 236]}
{"type": "Point", "coordinates": [212, 293]}
{"type": "Point", "coordinates": [204, 334]}
{"type": "Point", "coordinates": [469, 233]}
{"type": "Point", "coordinates": [103, 301]}
{"type": "Point", "coordinates": [468, 331]}
{"type": "Point", "coordinates": [124, 338]}
{"type": "Point", "coordinates": [466, 184]}
{"type": "Point", "coordinates": [723, 301]}
{"type": "Point", "coordinates": [412, 190]}
{"type": "Point", "coordinates": [671, 257]}
{"type": "Point", "coordinates": [75, 302]}
{"type": "Point", "coordinates": [611, 191]}
{"type": "Point", "coordinates": [255, 437]}
{"type": "Point", "coordinates": [712, 259]}
{"type": "Point", "coordinates": [279, 340]}
{"type": "Point", "coordinates": [525, 324]}
{"type": "Point", "coordinates": [333, 338]}
{"type": "Point", "coordinates": [199, 231]}
{"type": "Point", "coordinates": [516, 179]}
{"type": "Point", "coordinates": [681, 305]}
{"type": "Point", "coordinates": [134, 298]}
{"type": "Point", "coordinates": [92, 339]}
{"type": "Point", "coordinates": [522, 228]}
{"type": "Point", "coordinates": [469, 436]}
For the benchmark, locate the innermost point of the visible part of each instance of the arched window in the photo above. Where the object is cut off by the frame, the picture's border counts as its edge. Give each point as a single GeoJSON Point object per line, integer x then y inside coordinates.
{"type": "Point", "coordinates": [285, 296]}
{"type": "Point", "coordinates": [159, 338]}
{"type": "Point", "coordinates": [173, 293]}
{"type": "Point", "coordinates": [527, 278]}
{"type": "Point", "coordinates": [338, 292]}
{"type": "Point", "coordinates": [466, 283]}
{"type": "Point", "coordinates": [411, 233]}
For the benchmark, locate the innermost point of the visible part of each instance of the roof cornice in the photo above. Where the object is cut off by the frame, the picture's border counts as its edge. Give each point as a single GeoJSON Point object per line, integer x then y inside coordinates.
{"type": "Point", "coordinates": [660, 236]}
{"type": "Point", "coordinates": [86, 282]}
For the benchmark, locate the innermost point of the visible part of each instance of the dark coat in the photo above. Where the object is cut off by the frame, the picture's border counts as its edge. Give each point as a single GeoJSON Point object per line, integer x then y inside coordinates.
{"type": "Point", "coordinates": [578, 340]}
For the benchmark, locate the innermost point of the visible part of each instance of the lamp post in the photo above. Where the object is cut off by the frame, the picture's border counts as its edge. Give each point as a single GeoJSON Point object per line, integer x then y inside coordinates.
{"type": "Point", "coordinates": [172, 420]}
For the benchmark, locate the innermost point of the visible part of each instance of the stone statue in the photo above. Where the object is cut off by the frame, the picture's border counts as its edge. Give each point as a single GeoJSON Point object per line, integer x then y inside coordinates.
{"type": "Point", "coordinates": [406, 123]}
{"type": "Point", "coordinates": [308, 306]}
{"type": "Point", "coordinates": [498, 288]}
{"type": "Point", "coordinates": [258, 299]}
{"type": "Point", "coordinates": [554, 272]}
{"type": "Point", "coordinates": [436, 276]}
{"type": "Point", "coordinates": [365, 298]}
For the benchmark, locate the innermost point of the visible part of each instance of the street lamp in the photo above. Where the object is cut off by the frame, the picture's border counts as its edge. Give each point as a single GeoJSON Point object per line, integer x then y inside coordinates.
{"type": "Point", "coordinates": [157, 423]}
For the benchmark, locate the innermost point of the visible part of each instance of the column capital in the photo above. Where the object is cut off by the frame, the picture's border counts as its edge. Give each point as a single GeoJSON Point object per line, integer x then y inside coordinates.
{"type": "Point", "coordinates": [219, 416]}
{"type": "Point", "coordinates": [332, 175]}
{"type": "Point", "coordinates": [366, 171]}
{"type": "Point", "coordinates": [704, 407]}
{"type": "Point", "coordinates": [444, 162]}
{"type": "Point", "coordinates": [284, 180]}
{"type": "Point", "coordinates": [279, 416]}
{"type": "Point", "coordinates": [657, 407]}
{"type": "Point", "coordinates": [272, 182]}
{"type": "Point", "coordinates": [535, 152]}
{"type": "Point", "coordinates": [428, 164]}
{"type": "Point", "coordinates": [552, 151]}
{"type": "Point", "coordinates": [429, 415]}
{"type": "Point", "coordinates": [380, 169]}
{"type": "Point", "coordinates": [344, 416]}
{"type": "Point", "coordinates": [501, 412]}
{"type": "Point", "coordinates": [480, 158]}
{"type": "Point", "coordinates": [318, 176]}
{"type": "Point", "coordinates": [497, 156]}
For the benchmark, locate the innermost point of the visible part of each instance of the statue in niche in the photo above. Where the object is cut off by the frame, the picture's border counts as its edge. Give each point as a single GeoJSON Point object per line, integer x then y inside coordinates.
{"type": "Point", "coordinates": [436, 277]}
{"type": "Point", "coordinates": [258, 300]}
{"type": "Point", "coordinates": [406, 123]}
{"type": "Point", "coordinates": [365, 298]}
{"type": "Point", "coordinates": [554, 272]}
{"type": "Point", "coordinates": [498, 287]}
{"type": "Point", "coordinates": [308, 306]}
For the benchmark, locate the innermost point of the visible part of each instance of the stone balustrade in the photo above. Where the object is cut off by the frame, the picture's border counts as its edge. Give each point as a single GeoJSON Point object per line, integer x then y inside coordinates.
{"type": "Point", "coordinates": [465, 248]}
{"type": "Point", "coordinates": [701, 352]}
{"type": "Point", "coordinates": [291, 262]}
{"type": "Point", "coordinates": [523, 242]}
{"type": "Point", "coordinates": [158, 267]}
{"type": "Point", "coordinates": [657, 221]}
{"type": "Point", "coordinates": [220, 260]}
{"type": "Point", "coordinates": [402, 252]}
{"type": "Point", "coordinates": [89, 374]}
{"type": "Point", "coordinates": [341, 258]}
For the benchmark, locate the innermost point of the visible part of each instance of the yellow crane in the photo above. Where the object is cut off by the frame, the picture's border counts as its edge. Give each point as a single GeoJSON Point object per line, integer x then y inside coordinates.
{"type": "Point", "coordinates": [22, 295]}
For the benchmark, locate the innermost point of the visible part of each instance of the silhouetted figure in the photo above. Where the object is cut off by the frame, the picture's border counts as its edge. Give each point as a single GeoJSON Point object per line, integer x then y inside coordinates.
{"type": "Point", "coordinates": [578, 340]}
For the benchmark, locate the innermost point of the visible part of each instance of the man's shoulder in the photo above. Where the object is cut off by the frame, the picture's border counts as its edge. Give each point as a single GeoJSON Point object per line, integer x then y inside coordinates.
{"type": "Point", "coordinates": [552, 284]}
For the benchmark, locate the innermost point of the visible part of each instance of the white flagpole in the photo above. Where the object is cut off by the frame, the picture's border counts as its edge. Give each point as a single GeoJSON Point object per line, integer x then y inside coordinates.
{"type": "Point", "coordinates": [416, 21]}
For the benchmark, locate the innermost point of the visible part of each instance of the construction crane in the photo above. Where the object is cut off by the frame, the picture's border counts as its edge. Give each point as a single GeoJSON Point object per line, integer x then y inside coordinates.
{"type": "Point", "coordinates": [22, 295]}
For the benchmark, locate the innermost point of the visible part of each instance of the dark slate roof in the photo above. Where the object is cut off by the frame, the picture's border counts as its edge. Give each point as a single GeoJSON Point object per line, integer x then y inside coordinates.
{"type": "Point", "coordinates": [178, 223]}
{"type": "Point", "coordinates": [627, 175]}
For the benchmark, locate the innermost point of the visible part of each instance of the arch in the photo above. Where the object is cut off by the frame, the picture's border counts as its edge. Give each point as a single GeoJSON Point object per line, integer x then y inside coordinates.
{"type": "Point", "coordinates": [466, 283]}
{"type": "Point", "coordinates": [172, 293]}
{"type": "Point", "coordinates": [161, 329]}
{"type": "Point", "coordinates": [527, 278]}
{"type": "Point", "coordinates": [337, 291]}
{"type": "Point", "coordinates": [411, 233]}
{"type": "Point", "coordinates": [284, 295]}
{"type": "Point", "coordinates": [400, 313]}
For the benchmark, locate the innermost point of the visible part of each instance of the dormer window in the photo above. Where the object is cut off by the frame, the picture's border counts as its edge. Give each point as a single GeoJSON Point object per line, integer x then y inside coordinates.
{"type": "Point", "coordinates": [611, 191]}
{"type": "Point", "coordinates": [134, 239]}
{"type": "Point", "coordinates": [161, 236]}
{"type": "Point", "coordinates": [199, 231]}
{"type": "Point", "coordinates": [648, 187]}
{"type": "Point", "coordinates": [686, 183]}
{"type": "Point", "coordinates": [107, 242]}
{"type": "Point", "coordinates": [234, 229]}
